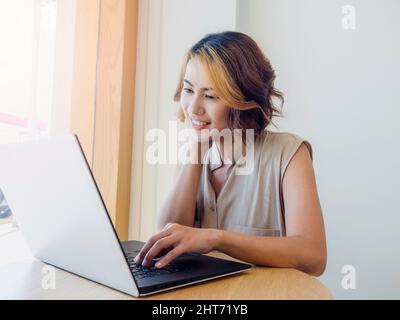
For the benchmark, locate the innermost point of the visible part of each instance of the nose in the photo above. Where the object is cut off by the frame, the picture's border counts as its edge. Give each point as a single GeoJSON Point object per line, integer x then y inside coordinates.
{"type": "Point", "coordinates": [196, 108]}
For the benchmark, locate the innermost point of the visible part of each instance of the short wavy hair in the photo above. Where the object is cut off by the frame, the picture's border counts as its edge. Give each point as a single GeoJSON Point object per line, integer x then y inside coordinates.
{"type": "Point", "coordinates": [241, 76]}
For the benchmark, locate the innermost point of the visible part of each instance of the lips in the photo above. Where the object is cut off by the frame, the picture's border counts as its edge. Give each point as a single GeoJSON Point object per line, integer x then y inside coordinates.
{"type": "Point", "coordinates": [197, 124]}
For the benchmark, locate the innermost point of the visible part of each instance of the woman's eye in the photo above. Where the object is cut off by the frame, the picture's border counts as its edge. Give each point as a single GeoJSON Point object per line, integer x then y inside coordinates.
{"type": "Point", "coordinates": [210, 97]}
{"type": "Point", "coordinates": [187, 90]}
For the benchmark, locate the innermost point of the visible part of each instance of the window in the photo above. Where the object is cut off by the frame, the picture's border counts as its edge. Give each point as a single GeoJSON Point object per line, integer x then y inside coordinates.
{"type": "Point", "coordinates": [27, 30]}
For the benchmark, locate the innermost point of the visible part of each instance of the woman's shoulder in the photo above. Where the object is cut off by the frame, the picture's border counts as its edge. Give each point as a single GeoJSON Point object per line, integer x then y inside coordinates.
{"type": "Point", "coordinates": [283, 143]}
{"type": "Point", "coordinates": [281, 136]}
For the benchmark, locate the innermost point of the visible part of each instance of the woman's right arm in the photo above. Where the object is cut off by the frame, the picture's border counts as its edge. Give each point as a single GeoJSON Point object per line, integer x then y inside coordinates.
{"type": "Point", "coordinates": [180, 204]}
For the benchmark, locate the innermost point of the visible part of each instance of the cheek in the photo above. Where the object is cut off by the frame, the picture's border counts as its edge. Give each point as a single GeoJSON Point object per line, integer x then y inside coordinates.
{"type": "Point", "coordinates": [184, 104]}
{"type": "Point", "coordinates": [220, 114]}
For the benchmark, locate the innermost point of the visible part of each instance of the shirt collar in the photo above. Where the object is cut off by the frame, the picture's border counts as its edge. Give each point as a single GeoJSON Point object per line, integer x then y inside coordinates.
{"type": "Point", "coordinates": [231, 153]}
{"type": "Point", "coordinates": [214, 157]}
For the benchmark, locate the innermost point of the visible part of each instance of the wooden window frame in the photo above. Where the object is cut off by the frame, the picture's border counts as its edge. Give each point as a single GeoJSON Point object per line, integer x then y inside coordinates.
{"type": "Point", "coordinates": [102, 102]}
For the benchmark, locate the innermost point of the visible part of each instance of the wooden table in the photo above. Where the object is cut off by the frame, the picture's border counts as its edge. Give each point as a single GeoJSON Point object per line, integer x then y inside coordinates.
{"type": "Point", "coordinates": [21, 278]}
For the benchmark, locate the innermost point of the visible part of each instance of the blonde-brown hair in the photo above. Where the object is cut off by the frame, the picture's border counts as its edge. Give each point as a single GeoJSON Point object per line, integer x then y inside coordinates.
{"type": "Point", "coordinates": [241, 75]}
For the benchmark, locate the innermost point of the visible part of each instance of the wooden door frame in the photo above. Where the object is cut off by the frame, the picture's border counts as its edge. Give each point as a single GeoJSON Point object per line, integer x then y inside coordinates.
{"type": "Point", "coordinates": [103, 95]}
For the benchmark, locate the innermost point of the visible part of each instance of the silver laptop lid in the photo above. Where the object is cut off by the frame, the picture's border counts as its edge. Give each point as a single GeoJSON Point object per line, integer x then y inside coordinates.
{"type": "Point", "coordinates": [50, 190]}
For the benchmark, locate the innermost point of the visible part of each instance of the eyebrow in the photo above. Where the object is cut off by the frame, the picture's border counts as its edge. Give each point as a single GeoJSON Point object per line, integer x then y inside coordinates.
{"type": "Point", "coordinates": [188, 82]}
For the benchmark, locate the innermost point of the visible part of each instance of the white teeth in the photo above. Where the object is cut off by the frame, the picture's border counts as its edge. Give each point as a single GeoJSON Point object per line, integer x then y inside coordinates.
{"type": "Point", "coordinates": [199, 123]}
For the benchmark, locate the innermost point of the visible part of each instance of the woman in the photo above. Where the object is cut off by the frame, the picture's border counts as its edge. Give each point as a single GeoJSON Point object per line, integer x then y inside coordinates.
{"type": "Point", "coordinates": [270, 216]}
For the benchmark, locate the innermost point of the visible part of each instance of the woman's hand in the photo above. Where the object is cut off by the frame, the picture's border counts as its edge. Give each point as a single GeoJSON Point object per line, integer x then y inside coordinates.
{"type": "Point", "coordinates": [176, 239]}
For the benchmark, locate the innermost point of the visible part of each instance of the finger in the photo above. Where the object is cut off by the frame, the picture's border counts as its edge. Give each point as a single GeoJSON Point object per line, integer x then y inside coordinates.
{"type": "Point", "coordinates": [163, 252]}
{"type": "Point", "coordinates": [170, 256]}
{"type": "Point", "coordinates": [153, 239]}
{"type": "Point", "coordinates": [165, 232]}
{"type": "Point", "coordinates": [157, 248]}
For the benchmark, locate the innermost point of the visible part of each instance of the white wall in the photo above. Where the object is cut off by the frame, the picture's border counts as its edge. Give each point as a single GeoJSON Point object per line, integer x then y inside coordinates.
{"type": "Point", "coordinates": [343, 94]}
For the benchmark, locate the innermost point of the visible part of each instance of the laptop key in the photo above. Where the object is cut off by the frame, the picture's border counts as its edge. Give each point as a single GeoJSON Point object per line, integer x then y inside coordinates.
{"type": "Point", "coordinates": [140, 272]}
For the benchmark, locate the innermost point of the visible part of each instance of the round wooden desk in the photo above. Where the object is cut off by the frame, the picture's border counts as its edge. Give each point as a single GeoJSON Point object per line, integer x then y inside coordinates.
{"type": "Point", "coordinates": [21, 278]}
{"type": "Point", "coordinates": [256, 283]}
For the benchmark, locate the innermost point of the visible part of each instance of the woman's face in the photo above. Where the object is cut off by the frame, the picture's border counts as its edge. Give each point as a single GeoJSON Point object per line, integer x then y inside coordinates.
{"type": "Point", "coordinates": [202, 108]}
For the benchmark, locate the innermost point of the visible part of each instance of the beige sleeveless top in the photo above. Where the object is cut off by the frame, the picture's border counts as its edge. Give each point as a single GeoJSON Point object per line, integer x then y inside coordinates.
{"type": "Point", "coordinates": [251, 203]}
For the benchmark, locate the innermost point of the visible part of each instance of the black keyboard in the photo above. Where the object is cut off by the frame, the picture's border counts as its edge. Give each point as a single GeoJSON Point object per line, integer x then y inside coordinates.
{"type": "Point", "coordinates": [141, 272]}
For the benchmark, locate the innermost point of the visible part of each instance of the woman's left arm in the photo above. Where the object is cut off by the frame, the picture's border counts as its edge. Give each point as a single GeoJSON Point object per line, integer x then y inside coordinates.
{"type": "Point", "coordinates": [303, 248]}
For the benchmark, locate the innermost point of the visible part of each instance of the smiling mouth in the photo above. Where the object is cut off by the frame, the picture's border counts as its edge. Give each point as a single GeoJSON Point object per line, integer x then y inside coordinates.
{"type": "Point", "coordinates": [198, 123]}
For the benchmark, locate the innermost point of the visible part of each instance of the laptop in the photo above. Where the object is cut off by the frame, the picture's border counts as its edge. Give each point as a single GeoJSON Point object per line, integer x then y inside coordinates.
{"type": "Point", "coordinates": [51, 191]}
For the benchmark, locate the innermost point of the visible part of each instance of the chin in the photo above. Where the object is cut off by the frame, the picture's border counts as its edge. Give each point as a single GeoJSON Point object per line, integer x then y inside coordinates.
{"type": "Point", "coordinates": [203, 135]}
